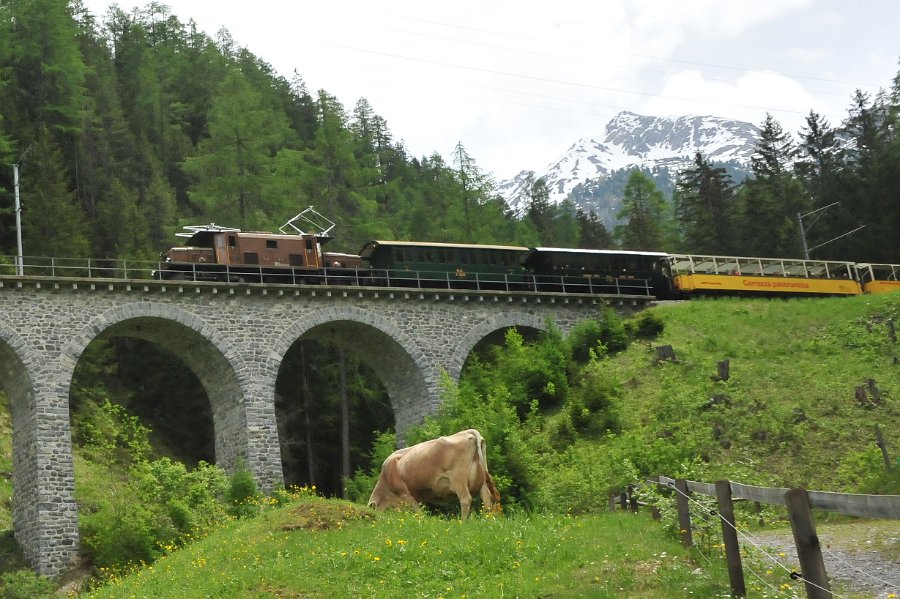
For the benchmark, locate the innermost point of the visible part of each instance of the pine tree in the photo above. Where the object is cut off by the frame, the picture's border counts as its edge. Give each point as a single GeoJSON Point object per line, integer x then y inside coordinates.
{"type": "Point", "coordinates": [646, 213]}
{"type": "Point", "coordinates": [53, 223]}
{"type": "Point", "coordinates": [704, 207]}
{"type": "Point", "coordinates": [474, 187]}
{"type": "Point", "coordinates": [592, 233]}
{"type": "Point", "coordinates": [234, 165]}
{"type": "Point", "coordinates": [539, 211]}
{"type": "Point", "coordinates": [770, 201]}
{"type": "Point", "coordinates": [820, 167]}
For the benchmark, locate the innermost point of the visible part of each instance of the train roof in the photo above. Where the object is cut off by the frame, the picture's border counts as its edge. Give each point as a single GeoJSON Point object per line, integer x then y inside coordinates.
{"type": "Point", "coordinates": [371, 246]}
{"type": "Point", "coordinates": [707, 257]}
{"type": "Point", "coordinates": [552, 250]}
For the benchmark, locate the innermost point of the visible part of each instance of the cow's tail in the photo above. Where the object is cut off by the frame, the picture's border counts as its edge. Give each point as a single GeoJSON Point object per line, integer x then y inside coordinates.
{"type": "Point", "coordinates": [482, 461]}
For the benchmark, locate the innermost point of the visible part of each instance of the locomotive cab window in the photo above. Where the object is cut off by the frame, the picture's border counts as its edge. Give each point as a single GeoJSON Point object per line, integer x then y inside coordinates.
{"type": "Point", "coordinates": [232, 241]}
{"type": "Point", "coordinates": [309, 245]}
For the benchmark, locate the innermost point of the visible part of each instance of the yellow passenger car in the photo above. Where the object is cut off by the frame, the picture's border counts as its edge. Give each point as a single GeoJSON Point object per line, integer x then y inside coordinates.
{"type": "Point", "coordinates": [879, 278]}
{"type": "Point", "coordinates": [731, 274]}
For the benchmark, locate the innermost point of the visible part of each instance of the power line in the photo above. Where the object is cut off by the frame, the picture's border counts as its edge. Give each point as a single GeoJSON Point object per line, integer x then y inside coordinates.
{"type": "Point", "coordinates": [637, 55]}
{"type": "Point", "coordinates": [564, 82]}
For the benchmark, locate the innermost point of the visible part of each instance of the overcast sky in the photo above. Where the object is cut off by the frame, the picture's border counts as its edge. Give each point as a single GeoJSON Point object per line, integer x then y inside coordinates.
{"type": "Point", "coordinates": [519, 82]}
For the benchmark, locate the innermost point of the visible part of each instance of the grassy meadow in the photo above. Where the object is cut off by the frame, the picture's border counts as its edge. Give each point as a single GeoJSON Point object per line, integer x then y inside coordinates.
{"type": "Point", "coordinates": [329, 548]}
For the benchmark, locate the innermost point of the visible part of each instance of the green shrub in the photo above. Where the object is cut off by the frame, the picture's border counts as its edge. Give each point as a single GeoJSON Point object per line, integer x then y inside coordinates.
{"type": "Point", "coordinates": [646, 324]}
{"type": "Point", "coordinates": [123, 531]}
{"type": "Point", "coordinates": [586, 337]}
{"type": "Point", "coordinates": [109, 434]}
{"type": "Point", "coordinates": [243, 493]}
{"type": "Point", "coordinates": [25, 584]}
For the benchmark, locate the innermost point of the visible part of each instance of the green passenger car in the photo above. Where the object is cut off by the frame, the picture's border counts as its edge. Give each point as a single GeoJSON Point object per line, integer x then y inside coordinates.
{"type": "Point", "coordinates": [445, 265]}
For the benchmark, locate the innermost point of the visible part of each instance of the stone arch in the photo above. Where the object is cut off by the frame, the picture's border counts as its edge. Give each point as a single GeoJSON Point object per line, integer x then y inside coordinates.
{"type": "Point", "coordinates": [410, 377]}
{"type": "Point", "coordinates": [216, 363]}
{"type": "Point", "coordinates": [494, 323]}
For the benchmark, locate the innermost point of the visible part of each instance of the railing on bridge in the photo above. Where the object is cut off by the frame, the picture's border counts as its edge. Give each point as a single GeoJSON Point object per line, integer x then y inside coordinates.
{"type": "Point", "coordinates": [120, 269]}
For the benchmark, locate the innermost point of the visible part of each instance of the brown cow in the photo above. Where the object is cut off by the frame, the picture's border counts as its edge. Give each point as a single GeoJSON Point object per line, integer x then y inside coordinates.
{"type": "Point", "coordinates": [434, 472]}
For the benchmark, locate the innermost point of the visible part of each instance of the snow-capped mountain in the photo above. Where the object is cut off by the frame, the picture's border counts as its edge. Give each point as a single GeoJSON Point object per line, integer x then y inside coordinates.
{"type": "Point", "coordinates": [661, 145]}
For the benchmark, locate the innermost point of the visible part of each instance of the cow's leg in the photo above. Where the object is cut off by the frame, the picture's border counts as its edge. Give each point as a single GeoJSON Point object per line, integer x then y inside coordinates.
{"type": "Point", "coordinates": [465, 500]}
{"type": "Point", "coordinates": [409, 499]}
{"type": "Point", "coordinates": [486, 500]}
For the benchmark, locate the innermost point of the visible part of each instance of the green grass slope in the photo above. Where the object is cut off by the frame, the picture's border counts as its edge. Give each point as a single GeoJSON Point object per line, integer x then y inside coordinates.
{"type": "Point", "coordinates": [328, 548]}
{"type": "Point", "coordinates": [788, 415]}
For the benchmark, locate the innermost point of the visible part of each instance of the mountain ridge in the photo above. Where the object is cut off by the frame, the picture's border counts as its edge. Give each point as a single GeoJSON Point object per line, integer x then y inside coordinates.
{"type": "Point", "coordinates": [662, 146]}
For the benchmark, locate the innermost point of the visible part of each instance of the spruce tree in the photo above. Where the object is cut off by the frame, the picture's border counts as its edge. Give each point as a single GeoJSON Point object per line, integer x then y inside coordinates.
{"type": "Point", "coordinates": [770, 201]}
{"type": "Point", "coordinates": [645, 212]}
{"type": "Point", "coordinates": [704, 208]}
{"type": "Point", "coordinates": [592, 233]}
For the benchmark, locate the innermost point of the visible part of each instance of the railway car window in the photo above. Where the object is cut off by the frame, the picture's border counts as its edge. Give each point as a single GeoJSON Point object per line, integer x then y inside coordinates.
{"type": "Point", "coordinates": [272, 244]}
{"type": "Point", "coordinates": [442, 256]}
{"type": "Point", "coordinates": [232, 241]}
{"type": "Point", "coordinates": [429, 256]}
{"type": "Point", "coordinates": [251, 258]}
{"type": "Point", "coordinates": [398, 256]}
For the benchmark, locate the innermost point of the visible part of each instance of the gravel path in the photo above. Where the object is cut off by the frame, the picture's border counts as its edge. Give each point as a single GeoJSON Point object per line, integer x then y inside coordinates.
{"type": "Point", "coordinates": [860, 558]}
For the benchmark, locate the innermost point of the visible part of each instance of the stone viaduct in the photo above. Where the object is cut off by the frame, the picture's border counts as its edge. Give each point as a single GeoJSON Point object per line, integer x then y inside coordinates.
{"type": "Point", "coordinates": [233, 338]}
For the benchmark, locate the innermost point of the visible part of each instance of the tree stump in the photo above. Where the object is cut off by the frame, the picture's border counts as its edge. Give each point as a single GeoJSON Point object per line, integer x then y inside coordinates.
{"type": "Point", "coordinates": [665, 353]}
{"type": "Point", "coordinates": [723, 369]}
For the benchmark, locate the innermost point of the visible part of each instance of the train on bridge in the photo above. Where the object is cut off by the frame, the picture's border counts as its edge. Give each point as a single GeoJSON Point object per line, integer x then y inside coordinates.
{"type": "Point", "coordinates": [296, 256]}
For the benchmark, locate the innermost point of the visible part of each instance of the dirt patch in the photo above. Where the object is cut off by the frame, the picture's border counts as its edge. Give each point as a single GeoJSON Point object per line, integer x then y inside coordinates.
{"type": "Point", "coordinates": [323, 516]}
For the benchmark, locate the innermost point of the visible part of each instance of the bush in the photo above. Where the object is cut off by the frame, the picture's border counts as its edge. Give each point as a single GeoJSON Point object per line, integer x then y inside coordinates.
{"type": "Point", "coordinates": [109, 434]}
{"type": "Point", "coordinates": [645, 325]}
{"type": "Point", "coordinates": [123, 532]}
{"type": "Point", "coordinates": [243, 492]}
{"type": "Point", "coordinates": [25, 584]}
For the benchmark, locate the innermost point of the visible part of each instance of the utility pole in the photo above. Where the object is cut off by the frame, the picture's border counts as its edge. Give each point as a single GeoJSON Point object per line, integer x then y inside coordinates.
{"type": "Point", "coordinates": [20, 261]}
{"type": "Point", "coordinates": [800, 217]}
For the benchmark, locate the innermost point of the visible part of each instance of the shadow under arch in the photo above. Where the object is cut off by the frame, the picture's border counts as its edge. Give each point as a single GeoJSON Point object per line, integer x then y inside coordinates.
{"type": "Point", "coordinates": [409, 377]}
{"type": "Point", "coordinates": [487, 327]}
{"type": "Point", "coordinates": [201, 348]}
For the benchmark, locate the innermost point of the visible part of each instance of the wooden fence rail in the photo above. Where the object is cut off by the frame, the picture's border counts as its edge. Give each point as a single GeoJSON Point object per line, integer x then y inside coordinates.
{"type": "Point", "coordinates": [799, 504]}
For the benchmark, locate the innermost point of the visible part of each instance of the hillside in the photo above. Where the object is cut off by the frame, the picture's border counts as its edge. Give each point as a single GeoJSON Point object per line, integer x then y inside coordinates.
{"type": "Point", "coordinates": [787, 416]}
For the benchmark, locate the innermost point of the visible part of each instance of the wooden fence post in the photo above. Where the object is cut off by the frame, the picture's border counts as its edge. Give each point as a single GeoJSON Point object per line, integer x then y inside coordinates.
{"type": "Point", "coordinates": [632, 499]}
{"type": "Point", "coordinates": [729, 536]}
{"type": "Point", "coordinates": [684, 512]}
{"type": "Point", "coordinates": [879, 440]}
{"type": "Point", "coordinates": [809, 552]}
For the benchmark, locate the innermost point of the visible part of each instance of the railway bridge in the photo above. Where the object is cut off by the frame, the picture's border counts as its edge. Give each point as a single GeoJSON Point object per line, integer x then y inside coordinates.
{"type": "Point", "coordinates": [233, 337]}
